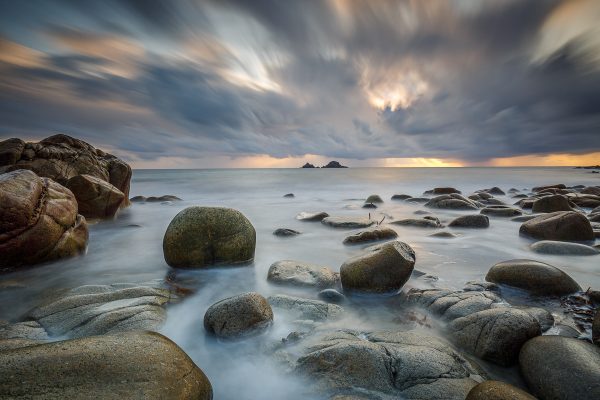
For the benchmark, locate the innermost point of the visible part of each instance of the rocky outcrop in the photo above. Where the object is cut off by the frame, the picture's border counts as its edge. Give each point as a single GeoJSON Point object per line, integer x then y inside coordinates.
{"type": "Point", "coordinates": [38, 221]}
{"type": "Point", "coordinates": [556, 367]}
{"type": "Point", "coordinates": [298, 273]}
{"type": "Point", "coordinates": [242, 315]}
{"type": "Point", "coordinates": [96, 198]}
{"type": "Point", "coordinates": [535, 277]}
{"type": "Point", "coordinates": [308, 165]}
{"type": "Point", "coordinates": [334, 164]}
{"type": "Point", "coordinates": [561, 225]}
{"type": "Point", "coordinates": [61, 157]}
{"type": "Point", "coordinates": [380, 268]}
{"type": "Point", "coordinates": [154, 199]}
{"type": "Point", "coordinates": [203, 236]}
{"type": "Point", "coordinates": [134, 365]}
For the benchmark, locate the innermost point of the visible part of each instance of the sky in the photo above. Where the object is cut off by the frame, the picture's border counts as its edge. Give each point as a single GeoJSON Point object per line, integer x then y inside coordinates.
{"type": "Point", "coordinates": [270, 83]}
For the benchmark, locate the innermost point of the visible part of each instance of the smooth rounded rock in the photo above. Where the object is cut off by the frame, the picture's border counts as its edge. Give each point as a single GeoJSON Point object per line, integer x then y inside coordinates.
{"type": "Point", "coordinates": [238, 316]}
{"type": "Point", "coordinates": [563, 248]}
{"type": "Point", "coordinates": [452, 201]}
{"type": "Point", "coordinates": [596, 327]}
{"type": "Point", "coordinates": [347, 222]}
{"type": "Point", "coordinates": [380, 268]}
{"type": "Point", "coordinates": [285, 232]}
{"type": "Point", "coordinates": [96, 198]}
{"type": "Point", "coordinates": [471, 221]}
{"type": "Point", "coordinates": [556, 367]}
{"type": "Point", "coordinates": [535, 277]}
{"type": "Point", "coordinates": [501, 211]}
{"type": "Point", "coordinates": [332, 296]}
{"type": "Point", "coordinates": [204, 236]}
{"type": "Point", "coordinates": [133, 365]}
{"type": "Point", "coordinates": [306, 216]}
{"type": "Point", "coordinates": [426, 222]}
{"type": "Point", "coordinates": [371, 235]}
{"type": "Point", "coordinates": [496, 390]}
{"type": "Point", "coordinates": [374, 198]}
{"type": "Point", "coordinates": [561, 225]}
{"type": "Point", "coordinates": [298, 273]}
{"type": "Point", "coordinates": [551, 203]}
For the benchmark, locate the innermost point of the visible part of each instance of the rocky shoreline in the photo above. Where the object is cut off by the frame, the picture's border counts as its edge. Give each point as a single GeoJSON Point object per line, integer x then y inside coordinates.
{"type": "Point", "coordinates": [103, 337]}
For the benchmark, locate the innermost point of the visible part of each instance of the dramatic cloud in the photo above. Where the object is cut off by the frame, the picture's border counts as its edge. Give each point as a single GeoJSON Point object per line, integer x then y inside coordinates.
{"type": "Point", "coordinates": [187, 82]}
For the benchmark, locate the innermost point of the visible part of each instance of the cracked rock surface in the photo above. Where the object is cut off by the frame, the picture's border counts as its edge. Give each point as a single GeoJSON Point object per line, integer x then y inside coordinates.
{"type": "Point", "coordinates": [451, 304]}
{"type": "Point", "coordinates": [290, 272]}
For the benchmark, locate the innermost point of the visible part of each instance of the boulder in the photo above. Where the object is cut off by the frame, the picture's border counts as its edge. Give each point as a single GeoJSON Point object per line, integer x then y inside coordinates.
{"type": "Point", "coordinates": [555, 186]}
{"type": "Point", "coordinates": [38, 221]}
{"type": "Point", "coordinates": [501, 211]}
{"type": "Point", "coordinates": [595, 190]}
{"type": "Point", "coordinates": [563, 248]}
{"type": "Point", "coordinates": [496, 334]}
{"type": "Point", "coordinates": [371, 235]}
{"type": "Point", "coordinates": [306, 309]}
{"type": "Point", "coordinates": [452, 201]}
{"type": "Point", "coordinates": [386, 364]}
{"type": "Point", "coordinates": [496, 390]}
{"type": "Point", "coordinates": [471, 221]}
{"type": "Point", "coordinates": [401, 197]}
{"type": "Point", "coordinates": [26, 330]}
{"type": "Point", "coordinates": [332, 296]}
{"type": "Point", "coordinates": [561, 225]}
{"type": "Point", "coordinates": [451, 304]}
{"type": "Point", "coordinates": [242, 315]}
{"type": "Point", "coordinates": [535, 277]}
{"type": "Point", "coordinates": [444, 235]}
{"type": "Point", "coordinates": [154, 199]}
{"type": "Point", "coordinates": [289, 195]}
{"type": "Point", "coordinates": [382, 268]}
{"type": "Point", "coordinates": [133, 365]}
{"type": "Point", "coordinates": [306, 216]}
{"type": "Point", "coordinates": [202, 236]}
{"type": "Point", "coordinates": [369, 205]}
{"type": "Point", "coordinates": [61, 157]}
{"type": "Point", "coordinates": [298, 273]}
{"type": "Point", "coordinates": [551, 203]}
{"type": "Point", "coordinates": [496, 191]}
{"type": "Point", "coordinates": [426, 222]}
{"type": "Point", "coordinates": [96, 198]}
{"type": "Point", "coordinates": [10, 151]}
{"type": "Point", "coordinates": [556, 367]}
{"type": "Point", "coordinates": [374, 198]}
{"type": "Point", "coordinates": [543, 316]}
{"type": "Point", "coordinates": [102, 309]}
{"type": "Point", "coordinates": [442, 190]}
{"type": "Point", "coordinates": [347, 222]}
{"type": "Point", "coordinates": [285, 232]}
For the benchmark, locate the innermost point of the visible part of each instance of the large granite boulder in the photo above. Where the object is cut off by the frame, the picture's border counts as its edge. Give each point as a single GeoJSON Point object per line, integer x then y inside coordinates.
{"type": "Point", "coordinates": [385, 365]}
{"type": "Point", "coordinates": [496, 334]}
{"type": "Point", "coordinates": [96, 198]}
{"type": "Point", "coordinates": [61, 157]}
{"type": "Point", "coordinates": [496, 390]}
{"type": "Point", "coordinates": [38, 221]}
{"type": "Point", "coordinates": [102, 309]}
{"type": "Point", "coordinates": [471, 221]}
{"type": "Point", "coordinates": [563, 248]}
{"type": "Point", "coordinates": [556, 367]}
{"type": "Point", "coordinates": [452, 201]}
{"type": "Point", "coordinates": [242, 315]}
{"type": "Point", "coordinates": [551, 203]}
{"type": "Point", "coordinates": [298, 273]}
{"type": "Point", "coordinates": [535, 277]}
{"type": "Point", "coordinates": [560, 225]}
{"type": "Point", "coordinates": [133, 365]}
{"type": "Point", "coordinates": [203, 236]}
{"type": "Point", "coordinates": [382, 268]}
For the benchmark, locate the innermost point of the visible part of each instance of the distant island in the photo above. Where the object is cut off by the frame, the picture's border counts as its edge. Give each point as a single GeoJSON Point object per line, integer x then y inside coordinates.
{"type": "Point", "coordinates": [331, 164]}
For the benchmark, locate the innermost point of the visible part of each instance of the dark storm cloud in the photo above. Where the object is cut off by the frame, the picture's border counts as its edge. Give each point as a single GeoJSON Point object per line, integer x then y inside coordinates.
{"type": "Point", "coordinates": [344, 79]}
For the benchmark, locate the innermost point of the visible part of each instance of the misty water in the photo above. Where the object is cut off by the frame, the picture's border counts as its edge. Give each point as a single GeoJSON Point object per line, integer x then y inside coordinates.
{"type": "Point", "coordinates": [129, 249]}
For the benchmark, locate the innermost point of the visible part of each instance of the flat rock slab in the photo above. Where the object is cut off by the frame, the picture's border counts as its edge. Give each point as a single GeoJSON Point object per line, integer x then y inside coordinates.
{"type": "Point", "coordinates": [347, 222]}
{"type": "Point", "coordinates": [310, 309]}
{"type": "Point", "coordinates": [102, 309]}
{"type": "Point", "coordinates": [298, 273]}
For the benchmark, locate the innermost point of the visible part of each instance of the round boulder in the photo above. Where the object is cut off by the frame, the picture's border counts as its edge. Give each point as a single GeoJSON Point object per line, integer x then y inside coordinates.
{"type": "Point", "coordinates": [551, 203]}
{"type": "Point", "coordinates": [238, 316]}
{"type": "Point", "coordinates": [96, 198]}
{"type": "Point", "coordinates": [563, 248]}
{"type": "Point", "coordinates": [297, 273]}
{"type": "Point", "coordinates": [471, 221]}
{"type": "Point", "coordinates": [374, 198]}
{"type": "Point", "coordinates": [556, 367]}
{"type": "Point", "coordinates": [38, 221]}
{"type": "Point", "coordinates": [496, 390]}
{"type": "Point", "coordinates": [381, 268]}
{"type": "Point", "coordinates": [535, 277]}
{"type": "Point", "coordinates": [501, 211]}
{"type": "Point", "coordinates": [204, 236]}
{"type": "Point", "coordinates": [561, 225]}
{"type": "Point", "coordinates": [371, 235]}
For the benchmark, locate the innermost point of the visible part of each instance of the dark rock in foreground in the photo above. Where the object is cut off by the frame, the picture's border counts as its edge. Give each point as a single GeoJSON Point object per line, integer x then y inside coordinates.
{"type": "Point", "coordinates": [561, 225]}
{"type": "Point", "coordinates": [38, 221]}
{"type": "Point", "coordinates": [496, 390]}
{"type": "Point", "coordinates": [556, 367]}
{"type": "Point", "coordinates": [202, 236]}
{"type": "Point", "coordinates": [242, 315]}
{"type": "Point", "coordinates": [135, 365]}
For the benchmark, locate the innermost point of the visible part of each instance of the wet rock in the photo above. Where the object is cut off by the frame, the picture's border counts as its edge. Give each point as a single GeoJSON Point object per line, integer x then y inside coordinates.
{"type": "Point", "coordinates": [442, 190]}
{"type": "Point", "coordinates": [347, 222]}
{"type": "Point", "coordinates": [306, 216]}
{"type": "Point", "coordinates": [332, 296]}
{"type": "Point", "coordinates": [595, 190]}
{"type": "Point", "coordinates": [285, 232]}
{"type": "Point", "coordinates": [542, 188]}
{"type": "Point", "coordinates": [371, 235]}
{"type": "Point", "coordinates": [480, 286]}
{"type": "Point", "coordinates": [380, 268]}
{"type": "Point", "coordinates": [496, 390]}
{"type": "Point", "coordinates": [563, 248]}
{"type": "Point", "coordinates": [443, 235]}
{"type": "Point", "coordinates": [298, 273]}
{"type": "Point", "coordinates": [10, 151]}
{"type": "Point", "coordinates": [585, 200]}
{"type": "Point", "coordinates": [471, 221]}
{"type": "Point", "coordinates": [134, 365]}
{"type": "Point", "coordinates": [526, 204]}
{"type": "Point", "coordinates": [11, 344]}
{"type": "Point", "coordinates": [29, 330]}
{"type": "Point", "coordinates": [566, 331]}
{"type": "Point", "coordinates": [418, 200]}
{"type": "Point", "coordinates": [452, 201]}
{"type": "Point", "coordinates": [495, 191]}
{"type": "Point", "coordinates": [596, 328]}
{"type": "Point", "coordinates": [524, 218]}
{"type": "Point", "coordinates": [552, 203]}
{"type": "Point", "coordinates": [426, 222]}
{"type": "Point", "coordinates": [561, 225]}
{"type": "Point", "coordinates": [160, 199]}
{"type": "Point", "coordinates": [543, 316]}
{"type": "Point", "coordinates": [202, 236]}
{"type": "Point", "coordinates": [309, 309]}
{"type": "Point", "coordinates": [96, 198]}
{"type": "Point", "coordinates": [556, 367]}
{"type": "Point", "coordinates": [102, 309]}
{"type": "Point", "coordinates": [501, 211]}
{"type": "Point", "coordinates": [61, 157]}
{"type": "Point", "coordinates": [451, 304]}
{"type": "Point", "coordinates": [289, 195]}
{"type": "Point", "coordinates": [374, 198]}
{"type": "Point", "coordinates": [242, 315]}
{"type": "Point", "coordinates": [387, 364]}
{"type": "Point", "coordinates": [38, 221]}
{"type": "Point", "coordinates": [535, 277]}
{"type": "Point", "coordinates": [369, 205]}
{"type": "Point", "coordinates": [496, 334]}
{"type": "Point", "coordinates": [401, 197]}
{"type": "Point", "coordinates": [138, 199]}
